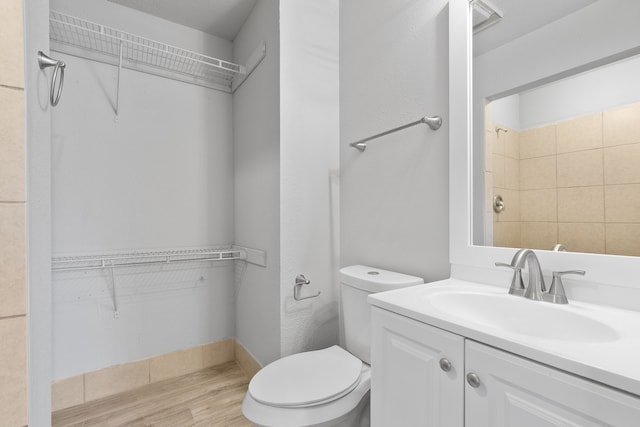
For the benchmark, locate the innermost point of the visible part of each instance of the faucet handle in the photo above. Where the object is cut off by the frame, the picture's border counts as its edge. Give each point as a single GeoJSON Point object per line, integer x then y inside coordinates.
{"type": "Point", "coordinates": [517, 284]}
{"type": "Point", "coordinates": [556, 292]}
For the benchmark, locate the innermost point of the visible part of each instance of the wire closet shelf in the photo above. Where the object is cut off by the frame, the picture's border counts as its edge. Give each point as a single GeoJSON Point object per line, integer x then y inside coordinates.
{"type": "Point", "coordinates": [79, 37]}
{"type": "Point", "coordinates": [92, 262]}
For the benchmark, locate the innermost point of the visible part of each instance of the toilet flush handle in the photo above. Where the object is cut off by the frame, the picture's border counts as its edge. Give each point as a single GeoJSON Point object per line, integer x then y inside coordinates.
{"type": "Point", "coordinates": [300, 282]}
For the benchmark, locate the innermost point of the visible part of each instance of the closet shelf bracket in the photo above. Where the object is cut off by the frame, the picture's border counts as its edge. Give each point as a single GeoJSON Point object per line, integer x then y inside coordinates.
{"type": "Point", "coordinates": [116, 313]}
{"type": "Point", "coordinates": [252, 63]}
{"type": "Point", "coordinates": [118, 81]}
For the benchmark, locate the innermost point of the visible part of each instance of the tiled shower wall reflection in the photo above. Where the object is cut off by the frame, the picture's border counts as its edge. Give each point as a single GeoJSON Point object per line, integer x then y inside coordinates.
{"type": "Point", "coordinates": [575, 182]}
{"type": "Point", "coordinates": [13, 300]}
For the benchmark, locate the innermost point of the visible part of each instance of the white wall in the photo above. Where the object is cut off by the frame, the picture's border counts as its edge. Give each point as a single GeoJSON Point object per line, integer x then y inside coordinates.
{"type": "Point", "coordinates": [599, 90]}
{"type": "Point", "coordinates": [394, 196]}
{"type": "Point", "coordinates": [159, 177]}
{"type": "Point", "coordinates": [38, 155]}
{"type": "Point", "coordinates": [309, 134]}
{"type": "Point", "coordinates": [256, 164]}
{"type": "Point", "coordinates": [506, 111]}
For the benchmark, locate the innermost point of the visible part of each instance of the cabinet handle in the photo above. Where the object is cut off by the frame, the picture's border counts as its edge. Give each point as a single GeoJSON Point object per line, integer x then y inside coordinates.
{"type": "Point", "coordinates": [473, 380]}
{"type": "Point", "coordinates": [445, 364]}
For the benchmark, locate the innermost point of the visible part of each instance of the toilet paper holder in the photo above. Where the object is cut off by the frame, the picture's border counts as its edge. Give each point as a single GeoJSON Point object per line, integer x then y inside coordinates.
{"type": "Point", "coordinates": [297, 288]}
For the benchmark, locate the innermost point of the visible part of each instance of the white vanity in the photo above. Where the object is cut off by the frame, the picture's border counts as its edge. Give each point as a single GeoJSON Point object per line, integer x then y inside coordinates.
{"type": "Point", "coordinates": [463, 352]}
{"type": "Point", "coordinates": [455, 353]}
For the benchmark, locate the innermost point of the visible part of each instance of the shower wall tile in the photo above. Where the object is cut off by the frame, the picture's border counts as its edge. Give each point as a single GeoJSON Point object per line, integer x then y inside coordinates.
{"type": "Point", "coordinates": [539, 205]}
{"type": "Point", "coordinates": [512, 143]}
{"type": "Point", "coordinates": [622, 164]}
{"type": "Point", "coordinates": [498, 143]}
{"type": "Point", "coordinates": [581, 204]}
{"type": "Point", "coordinates": [115, 379]}
{"type": "Point", "coordinates": [583, 133]}
{"type": "Point", "coordinates": [579, 183]}
{"type": "Point", "coordinates": [580, 169]}
{"type": "Point", "coordinates": [506, 234]}
{"type": "Point", "coordinates": [511, 173]}
{"type": "Point", "coordinates": [488, 152]}
{"type": "Point", "coordinates": [488, 194]}
{"type": "Point", "coordinates": [623, 239]}
{"type": "Point", "coordinates": [13, 299]}
{"type": "Point", "coordinates": [538, 173]}
{"type": "Point", "coordinates": [539, 235]}
{"type": "Point", "coordinates": [12, 159]}
{"type": "Point", "coordinates": [13, 371]}
{"type": "Point", "coordinates": [511, 210]}
{"type": "Point", "coordinates": [538, 142]}
{"type": "Point", "coordinates": [498, 171]}
{"type": "Point", "coordinates": [622, 125]}
{"type": "Point", "coordinates": [11, 43]}
{"type": "Point", "coordinates": [622, 203]}
{"type": "Point", "coordinates": [13, 321]}
{"type": "Point", "coordinates": [582, 237]}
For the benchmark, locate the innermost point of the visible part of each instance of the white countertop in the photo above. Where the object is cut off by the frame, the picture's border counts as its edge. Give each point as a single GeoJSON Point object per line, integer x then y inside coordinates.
{"type": "Point", "coordinates": [614, 362]}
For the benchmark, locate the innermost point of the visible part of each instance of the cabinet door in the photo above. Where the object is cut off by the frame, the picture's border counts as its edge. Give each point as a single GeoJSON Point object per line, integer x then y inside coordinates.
{"type": "Point", "coordinates": [517, 392]}
{"type": "Point", "coordinates": [408, 386]}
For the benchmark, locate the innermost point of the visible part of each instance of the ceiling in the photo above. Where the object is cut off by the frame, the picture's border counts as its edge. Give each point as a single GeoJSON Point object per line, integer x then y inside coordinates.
{"type": "Point", "coordinates": [224, 18]}
{"type": "Point", "coordinates": [521, 17]}
{"type": "Point", "coordinates": [221, 18]}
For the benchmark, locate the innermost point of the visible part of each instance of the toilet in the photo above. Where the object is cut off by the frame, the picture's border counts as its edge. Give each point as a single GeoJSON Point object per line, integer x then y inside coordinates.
{"type": "Point", "coordinates": [328, 387]}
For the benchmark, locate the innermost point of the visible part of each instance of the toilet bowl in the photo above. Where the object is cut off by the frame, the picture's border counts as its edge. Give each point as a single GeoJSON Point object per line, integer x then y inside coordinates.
{"type": "Point", "coordinates": [328, 387]}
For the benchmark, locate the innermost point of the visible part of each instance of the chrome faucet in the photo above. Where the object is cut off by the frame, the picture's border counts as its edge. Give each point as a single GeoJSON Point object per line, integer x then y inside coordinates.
{"type": "Point", "coordinates": [535, 288]}
{"type": "Point", "coordinates": [535, 285]}
{"type": "Point", "coordinates": [517, 285]}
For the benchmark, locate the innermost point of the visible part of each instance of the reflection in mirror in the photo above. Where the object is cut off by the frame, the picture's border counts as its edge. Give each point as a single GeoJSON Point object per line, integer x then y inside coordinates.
{"type": "Point", "coordinates": [561, 164]}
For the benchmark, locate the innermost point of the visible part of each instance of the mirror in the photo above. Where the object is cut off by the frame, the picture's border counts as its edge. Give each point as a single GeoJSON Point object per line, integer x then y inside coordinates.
{"type": "Point", "coordinates": [556, 125]}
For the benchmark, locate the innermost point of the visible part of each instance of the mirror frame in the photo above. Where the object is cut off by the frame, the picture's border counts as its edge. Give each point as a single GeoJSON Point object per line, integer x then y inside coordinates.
{"type": "Point", "coordinates": [602, 270]}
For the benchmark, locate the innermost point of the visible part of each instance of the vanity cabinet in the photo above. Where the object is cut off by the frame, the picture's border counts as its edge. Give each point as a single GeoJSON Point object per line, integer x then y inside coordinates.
{"type": "Point", "coordinates": [410, 386]}
{"type": "Point", "coordinates": [514, 391]}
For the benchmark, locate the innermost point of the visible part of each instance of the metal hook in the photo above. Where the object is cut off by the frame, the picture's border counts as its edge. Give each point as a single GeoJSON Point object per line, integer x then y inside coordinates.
{"type": "Point", "coordinates": [45, 61]}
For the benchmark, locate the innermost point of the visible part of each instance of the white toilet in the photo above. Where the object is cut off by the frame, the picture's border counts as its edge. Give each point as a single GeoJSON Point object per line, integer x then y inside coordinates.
{"type": "Point", "coordinates": [327, 387]}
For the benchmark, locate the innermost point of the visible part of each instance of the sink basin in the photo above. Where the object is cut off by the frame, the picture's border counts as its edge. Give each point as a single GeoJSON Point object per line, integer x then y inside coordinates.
{"type": "Point", "coordinates": [518, 315]}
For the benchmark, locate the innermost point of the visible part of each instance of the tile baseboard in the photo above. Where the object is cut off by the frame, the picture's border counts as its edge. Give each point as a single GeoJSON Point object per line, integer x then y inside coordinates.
{"type": "Point", "coordinates": [89, 386]}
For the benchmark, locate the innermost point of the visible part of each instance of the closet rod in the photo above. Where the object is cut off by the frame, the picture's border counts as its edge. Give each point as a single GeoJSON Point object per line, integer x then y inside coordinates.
{"type": "Point", "coordinates": [434, 123]}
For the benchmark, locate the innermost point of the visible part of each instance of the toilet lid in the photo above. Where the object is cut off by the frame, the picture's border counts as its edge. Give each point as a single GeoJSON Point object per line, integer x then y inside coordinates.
{"type": "Point", "coordinates": [307, 379]}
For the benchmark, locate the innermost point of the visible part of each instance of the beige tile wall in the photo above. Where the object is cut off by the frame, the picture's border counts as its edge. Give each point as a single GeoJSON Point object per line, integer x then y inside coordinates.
{"type": "Point", "coordinates": [579, 184]}
{"type": "Point", "coordinates": [13, 304]}
{"type": "Point", "coordinates": [94, 385]}
{"type": "Point", "coordinates": [503, 163]}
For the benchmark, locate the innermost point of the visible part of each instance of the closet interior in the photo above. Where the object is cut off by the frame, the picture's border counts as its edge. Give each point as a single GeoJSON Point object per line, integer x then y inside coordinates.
{"type": "Point", "coordinates": [144, 260]}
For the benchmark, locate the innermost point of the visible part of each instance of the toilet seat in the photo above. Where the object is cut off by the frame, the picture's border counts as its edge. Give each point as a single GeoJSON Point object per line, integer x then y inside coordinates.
{"type": "Point", "coordinates": [307, 379]}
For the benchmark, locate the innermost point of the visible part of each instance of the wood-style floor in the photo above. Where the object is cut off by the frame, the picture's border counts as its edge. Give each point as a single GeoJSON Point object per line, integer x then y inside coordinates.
{"type": "Point", "coordinates": [211, 397]}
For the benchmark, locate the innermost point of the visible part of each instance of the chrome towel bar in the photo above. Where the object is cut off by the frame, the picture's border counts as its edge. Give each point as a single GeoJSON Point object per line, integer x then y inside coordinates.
{"type": "Point", "coordinates": [434, 123]}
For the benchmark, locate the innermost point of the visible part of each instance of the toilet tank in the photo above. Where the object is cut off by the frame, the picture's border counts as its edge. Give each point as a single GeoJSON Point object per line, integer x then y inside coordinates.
{"type": "Point", "coordinates": [356, 282]}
